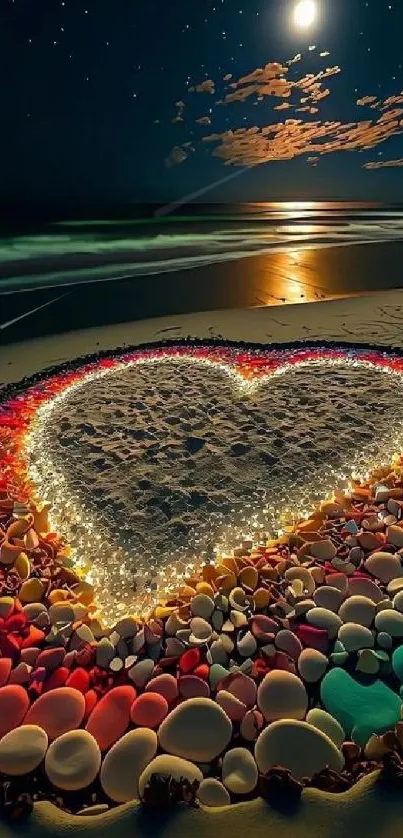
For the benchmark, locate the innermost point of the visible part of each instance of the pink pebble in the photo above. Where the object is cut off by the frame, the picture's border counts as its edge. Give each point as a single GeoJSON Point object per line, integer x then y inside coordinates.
{"type": "Point", "coordinates": [57, 711]}
{"type": "Point", "coordinates": [241, 686]}
{"type": "Point", "coordinates": [166, 685]}
{"type": "Point", "coordinates": [263, 627]}
{"type": "Point", "coordinates": [232, 706]}
{"type": "Point", "coordinates": [312, 637]}
{"type": "Point", "coordinates": [30, 655]}
{"type": "Point", "coordinates": [190, 686]}
{"type": "Point", "coordinates": [51, 658]}
{"type": "Point", "coordinates": [110, 718]}
{"type": "Point", "coordinates": [251, 725]}
{"type": "Point", "coordinates": [5, 669]}
{"type": "Point", "coordinates": [14, 703]}
{"type": "Point", "coordinates": [149, 709]}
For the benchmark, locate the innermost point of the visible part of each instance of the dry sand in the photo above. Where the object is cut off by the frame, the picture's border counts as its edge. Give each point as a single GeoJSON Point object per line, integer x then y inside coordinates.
{"type": "Point", "coordinates": [376, 318]}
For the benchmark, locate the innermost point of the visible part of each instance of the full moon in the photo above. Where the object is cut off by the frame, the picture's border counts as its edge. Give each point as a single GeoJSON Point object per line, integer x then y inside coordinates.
{"type": "Point", "coordinates": [305, 13]}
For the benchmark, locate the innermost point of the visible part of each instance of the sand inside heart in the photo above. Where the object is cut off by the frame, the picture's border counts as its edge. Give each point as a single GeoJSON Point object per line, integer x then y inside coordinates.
{"type": "Point", "coordinates": [168, 460]}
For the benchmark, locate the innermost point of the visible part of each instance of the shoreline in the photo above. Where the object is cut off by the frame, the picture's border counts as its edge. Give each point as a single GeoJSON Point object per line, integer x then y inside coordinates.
{"type": "Point", "coordinates": [374, 319]}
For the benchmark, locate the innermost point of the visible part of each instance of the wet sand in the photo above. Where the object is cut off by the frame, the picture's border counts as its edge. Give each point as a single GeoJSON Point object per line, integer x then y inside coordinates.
{"type": "Point", "coordinates": [271, 280]}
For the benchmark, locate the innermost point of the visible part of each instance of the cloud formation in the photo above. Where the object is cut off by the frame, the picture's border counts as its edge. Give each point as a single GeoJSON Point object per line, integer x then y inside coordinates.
{"type": "Point", "coordinates": [384, 164]}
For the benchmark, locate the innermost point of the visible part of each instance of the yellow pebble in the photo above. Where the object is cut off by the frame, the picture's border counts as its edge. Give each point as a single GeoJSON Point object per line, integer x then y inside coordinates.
{"type": "Point", "coordinates": [249, 577]}
{"type": "Point", "coordinates": [162, 612]}
{"type": "Point", "coordinates": [205, 588]}
{"type": "Point", "coordinates": [22, 565]}
{"type": "Point", "coordinates": [261, 598]}
{"type": "Point", "coordinates": [58, 595]}
{"type": "Point", "coordinates": [31, 590]}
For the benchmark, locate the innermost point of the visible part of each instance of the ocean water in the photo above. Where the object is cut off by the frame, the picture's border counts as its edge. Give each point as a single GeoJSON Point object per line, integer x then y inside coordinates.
{"type": "Point", "coordinates": [163, 239]}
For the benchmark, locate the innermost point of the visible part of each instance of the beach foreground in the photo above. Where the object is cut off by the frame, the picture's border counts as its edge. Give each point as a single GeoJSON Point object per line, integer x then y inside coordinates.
{"type": "Point", "coordinates": [286, 651]}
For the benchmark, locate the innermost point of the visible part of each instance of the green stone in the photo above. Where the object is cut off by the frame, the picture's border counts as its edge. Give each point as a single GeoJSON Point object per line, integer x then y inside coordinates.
{"type": "Point", "coordinates": [397, 662]}
{"type": "Point", "coordinates": [360, 709]}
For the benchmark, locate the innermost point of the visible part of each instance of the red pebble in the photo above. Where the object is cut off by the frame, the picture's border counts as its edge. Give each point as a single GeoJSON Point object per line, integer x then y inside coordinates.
{"type": "Point", "coordinates": [91, 699]}
{"type": "Point", "coordinates": [313, 637]}
{"type": "Point", "coordinates": [79, 679]}
{"type": "Point", "coordinates": [110, 718]}
{"type": "Point", "coordinates": [202, 671]}
{"type": "Point", "coordinates": [16, 622]}
{"type": "Point", "coordinates": [14, 703]}
{"type": "Point", "coordinates": [58, 678]}
{"type": "Point", "coordinates": [5, 669]}
{"type": "Point", "coordinates": [35, 637]}
{"type": "Point", "coordinates": [149, 709]}
{"type": "Point", "coordinates": [189, 660]}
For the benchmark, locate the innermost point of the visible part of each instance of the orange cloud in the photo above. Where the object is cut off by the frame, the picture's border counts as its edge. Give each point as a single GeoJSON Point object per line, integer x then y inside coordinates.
{"type": "Point", "coordinates": [384, 164]}
{"type": "Point", "coordinates": [366, 100]}
{"type": "Point", "coordinates": [207, 86]}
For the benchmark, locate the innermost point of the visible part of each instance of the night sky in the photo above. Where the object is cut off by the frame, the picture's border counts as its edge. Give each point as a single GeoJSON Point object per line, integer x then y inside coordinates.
{"type": "Point", "coordinates": [90, 86]}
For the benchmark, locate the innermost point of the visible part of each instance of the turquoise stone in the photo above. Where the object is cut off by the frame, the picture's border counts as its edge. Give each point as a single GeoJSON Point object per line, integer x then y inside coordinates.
{"type": "Point", "coordinates": [397, 662]}
{"type": "Point", "coordinates": [360, 709]}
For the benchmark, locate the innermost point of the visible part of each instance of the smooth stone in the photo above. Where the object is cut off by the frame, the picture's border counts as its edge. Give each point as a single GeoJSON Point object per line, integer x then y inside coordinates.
{"type": "Point", "coordinates": [91, 811]}
{"type": "Point", "coordinates": [111, 716]}
{"type": "Point", "coordinates": [105, 652]}
{"type": "Point", "coordinates": [384, 566]}
{"type": "Point", "coordinates": [201, 631]}
{"type": "Point", "coordinates": [216, 674]}
{"type": "Point", "coordinates": [384, 640]}
{"type": "Point", "coordinates": [324, 619]}
{"type": "Point", "coordinates": [328, 597]}
{"type": "Point", "coordinates": [232, 706]}
{"type": "Point", "coordinates": [217, 653]}
{"type": "Point", "coordinates": [358, 586]}
{"type": "Point", "coordinates": [217, 620]}
{"type": "Point", "coordinates": [390, 622]}
{"type": "Point", "coordinates": [323, 550]}
{"type": "Point", "coordinates": [165, 685]}
{"type": "Point", "coordinates": [327, 724]}
{"type": "Point", "coordinates": [394, 535]}
{"type": "Point", "coordinates": [190, 686]}
{"type": "Point", "coordinates": [51, 658]}
{"type": "Point", "coordinates": [125, 762]}
{"type": "Point", "coordinates": [61, 612]}
{"type": "Point", "coordinates": [360, 710]}
{"type": "Point", "coordinates": [20, 674]}
{"type": "Point", "coordinates": [355, 637]}
{"type": "Point", "coordinates": [141, 672]}
{"type": "Point", "coordinates": [247, 645]}
{"type": "Point", "coordinates": [302, 748]}
{"type": "Point", "coordinates": [304, 575]}
{"type": "Point", "coordinates": [148, 710]}
{"type": "Point", "coordinates": [174, 647]}
{"type": "Point", "coordinates": [57, 711]}
{"type": "Point", "coordinates": [127, 627]}
{"type": "Point", "coordinates": [397, 663]}
{"type": "Point", "coordinates": [202, 606]}
{"type": "Point", "coordinates": [281, 695]}
{"type": "Point", "coordinates": [73, 760]}
{"type": "Point", "coordinates": [339, 581]}
{"type": "Point", "coordinates": [383, 605]}
{"type": "Point", "coordinates": [198, 730]}
{"type": "Point", "coordinates": [166, 765]}
{"type": "Point", "coordinates": [357, 609]}
{"type": "Point", "coordinates": [288, 642]}
{"type": "Point", "coordinates": [32, 610]}
{"type": "Point", "coordinates": [212, 793]}
{"type": "Point", "coordinates": [368, 662]}
{"type": "Point", "coordinates": [242, 687]}
{"type": "Point", "coordinates": [7, 606]}
{"type": "Point", "coordinates": [81, 636]}
{"type": "Point", "coordinates": [398, 602]}
{"type": "Point", "coordinates": [312, 665]}
{"type": "Point", "coordinates": [313, 637]}
{"type": "Point", "coordinates": [395, 585]}
{"type": "Point", "coordinates": [251, 725]}
{"type": "Point", "coordinates": [32, 590]}
{"type": "Point", "coordinates": [239, 771]}
{"type": "Point", "coordinates": [22, 750]}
